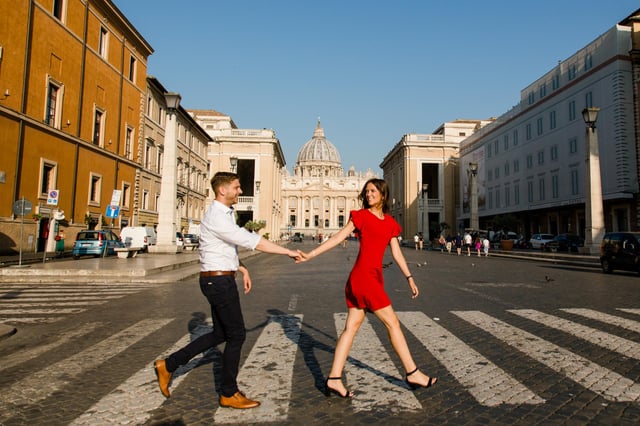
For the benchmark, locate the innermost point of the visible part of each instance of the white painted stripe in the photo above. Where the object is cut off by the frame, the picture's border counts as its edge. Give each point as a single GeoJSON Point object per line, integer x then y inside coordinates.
{"type": "Point", "coordinates": [52, 303]}
{"type": "Point", "coordinates": [32, 320]}
{"type": "Point", "coordinates": [72, 291]}
{"type": "Point", "coordinates": [118, 407]}
{"type": "Point", "coordinates": [372, 375]}
{"type": "Point", "coordinates": [14, 311]}
{"type": "Point", "coordinates": [608, 319]}
{"type": "Point", "coordinates": [267, 374]}
{"type": "Point", "coordinates": [629, 310]}
{"type": "Point", "coordinates": [41, 384]}
{"type": "Point", "coordinates": [13, 287]}
{"type": "Point", "coordinates": [48, 298]}
{"type": "Point", "coordinates": [28, 354]}
{"type": "Point", "coordinates": [485, 381]}
{"type": "Point", "coordinates": [608, 341]}
{"type": "Point", "coordinates": [293, 302]}
{"type": "Point", "coordinates": [610, 385]}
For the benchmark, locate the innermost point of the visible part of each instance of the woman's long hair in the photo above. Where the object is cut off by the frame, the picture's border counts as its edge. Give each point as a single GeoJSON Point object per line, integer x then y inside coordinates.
{"type": "Point", "coordinates": [382, 186]}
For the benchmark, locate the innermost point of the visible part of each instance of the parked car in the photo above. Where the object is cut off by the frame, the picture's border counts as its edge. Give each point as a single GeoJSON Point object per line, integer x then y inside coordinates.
{"type": "Point", "coordinates": [566, 242]}
{"type": "Point", "coordinates": [296, 238]}
{"type": "Point", "coordinates": [620, 250]}
{"type": "Point", "coordinates": [139, 236]}
{"type": "Point", "coordinates": [191, 240]}
{"type": "Point", "coordinates": [180, 240]}
{"type": "Point", "coordinates": [540, 241]}
{"type": "Point", "coordinates": [95, 242]}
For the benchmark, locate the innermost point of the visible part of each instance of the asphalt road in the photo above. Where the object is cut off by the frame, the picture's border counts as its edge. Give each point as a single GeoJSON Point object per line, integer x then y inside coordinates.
{"type": "Point", "coordinates": [511, 342]}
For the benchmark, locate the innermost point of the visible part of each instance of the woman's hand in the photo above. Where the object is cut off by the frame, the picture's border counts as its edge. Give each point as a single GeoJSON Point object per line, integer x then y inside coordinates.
{"type": "Point", "coordinates": [414, 288]}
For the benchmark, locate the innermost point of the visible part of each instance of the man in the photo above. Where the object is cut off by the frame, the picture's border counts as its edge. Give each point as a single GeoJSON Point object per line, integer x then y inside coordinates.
{"type": "Point", "coordinates": [219, 238]}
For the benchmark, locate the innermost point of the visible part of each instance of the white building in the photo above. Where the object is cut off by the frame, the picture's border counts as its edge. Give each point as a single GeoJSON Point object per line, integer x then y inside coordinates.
{"type": "Point", "coordinates": [317, 198]}
{"type": "Point", "coordinates": [531, 160]}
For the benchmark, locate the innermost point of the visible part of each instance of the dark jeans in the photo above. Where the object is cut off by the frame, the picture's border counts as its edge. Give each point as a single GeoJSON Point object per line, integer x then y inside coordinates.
{"type": "Point", "coordinates": [228, 326]}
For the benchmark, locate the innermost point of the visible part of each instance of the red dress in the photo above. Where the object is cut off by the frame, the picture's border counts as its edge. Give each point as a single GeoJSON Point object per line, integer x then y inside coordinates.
{"type": "Point", "coordinates": [365, 287]}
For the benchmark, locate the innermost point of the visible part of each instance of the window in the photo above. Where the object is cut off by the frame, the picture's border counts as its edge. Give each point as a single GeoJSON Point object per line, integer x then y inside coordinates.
{"type": "Point", "coordinates": [103, 47]}
{"type": "Point", "coordinates": [497, 198]}
{"type": "Point", "coordinates": [490, 198]}
{"type": "Point", "coordinates": [543, 90]}
{"type": "Point", "coordinates": [306, 223]}
{"type": "Point", "coordinates": [540, 157]}
{"type": "Point", "coordinates": [528, 131]}
{"type": "Point", "coordinates": [98, 128]}
{"type": "Point", "coordinates": [588, 100]}
{"type": "Point", "coordinates": [506, 169]}
{"type": "Point", "coordinates": [145, 199]}
{"type": "Point", "coordinates": [516, 166]}
{"type": "Point", "coordinates": [516, 194]}
{"type": "Point", "coordinates": [552, 120]}
{"type": "Point", "coordinates": [488, 150]}
{"type": "Point", "coordinates": [148, 149]}
{"type": "Point", "coordinates": [160, 160]}
{"type": "Point", "coordinates": [58, 9]}
{"type": "Point", "coordinates": [132, 68]}
{"type": "Point", "coordinates": [156, 201]}
{"type": "Point", "coordinates": [292, 220]}
{"type": "Point", "coordinates": [340, 221]}
{"type": "Point", "coordinates": [573, 146]}
{"type": "Point", "coordinates": [588, 61]}
{"type": "Point", "coordinates": [48, 176]}
{"type": "Point", "coordinates": [515, 137]}
{"type": "Point", "coordinates": [575, 188]}
{"type": "Point", "coordinates": [554, 152]}
{"type": "Point", "coordinates": [555, 83]}
{"type": "Point", "coordinates": [490, 175]}
{"type": "Point", "coordinates": [541, 195]}
{"type": "Point", "coordinates": [506, 142]}
{"type": "Point", "coordinates": [496, 146]}
{"type": "Point", "coordinates": [128, 142]}
{"type": "Point", "coordinates": [94, 189]}
{"type": "Point", "coordinates": [52, 117]}
{"type": "Point", "coordinates": [126, 195]}
{"type": "Point", "coordinates": [507, 196]}
{"type": "Point", "coordinates": [572, 71]}
{"type": "Point", "coordinates": [497, 173]}
{"type": "Point", "coordinates": [529, 161]}
{"type": "Point", "coordinates": [530, 191]}
{"type": "Point", "coordinates": [555, 186]}
{"type": "Point", "coordinates": [316, 220]}
{"type": "Point", "coordinates": [572, 110]}
{"type": "Point", "coordinates": [539, 125]}
{"type": "Point", "coordinates": [531, 98]}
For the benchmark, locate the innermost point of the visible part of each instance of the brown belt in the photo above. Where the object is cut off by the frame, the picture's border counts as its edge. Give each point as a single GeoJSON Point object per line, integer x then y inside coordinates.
{"type": "Point", "coordinates": [217, 273]}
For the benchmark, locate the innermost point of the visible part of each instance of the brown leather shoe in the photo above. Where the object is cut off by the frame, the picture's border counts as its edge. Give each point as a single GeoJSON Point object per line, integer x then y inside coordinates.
{"type": "Point", "coordinates": [238, 400]}
{"type": "Point", "coordinates": [164, 377]}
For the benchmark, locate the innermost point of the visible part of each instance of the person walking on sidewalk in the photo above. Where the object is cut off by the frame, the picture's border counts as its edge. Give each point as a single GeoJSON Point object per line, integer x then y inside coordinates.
{"type": "Point", "coordinates": [365, 287]}
{"type": "Point", "coordinates": [219, 238]}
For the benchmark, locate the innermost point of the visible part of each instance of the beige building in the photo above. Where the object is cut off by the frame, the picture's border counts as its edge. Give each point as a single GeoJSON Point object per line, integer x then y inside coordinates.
{"type": "Point", "coordinates": [256, 155]}
{"type": "Point", "coordinates": [317, 198]}
{"type": "Point", "coordinates": [422, 171]}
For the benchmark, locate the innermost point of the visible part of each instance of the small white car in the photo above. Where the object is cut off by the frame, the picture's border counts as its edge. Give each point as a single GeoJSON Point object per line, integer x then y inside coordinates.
{"type": "Point", "coordinates": [139, 236]}
{"type": "Point", "coordinates": [540, 241]}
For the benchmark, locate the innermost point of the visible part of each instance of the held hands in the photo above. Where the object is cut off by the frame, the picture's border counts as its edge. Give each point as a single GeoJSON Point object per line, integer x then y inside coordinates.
{"type": "Point", "coordinates": [295, 255]}
{"type": "Point", "coordinates": [303, 257]}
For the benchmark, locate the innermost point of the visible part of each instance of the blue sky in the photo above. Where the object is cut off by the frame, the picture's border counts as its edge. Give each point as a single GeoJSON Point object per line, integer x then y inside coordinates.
{"type": "Point", "coordinates": [372, 71]}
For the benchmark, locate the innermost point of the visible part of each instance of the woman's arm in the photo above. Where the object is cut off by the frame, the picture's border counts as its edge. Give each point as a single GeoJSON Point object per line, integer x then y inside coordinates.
{"type": "Point", "coordinates": [331, 242]}
{"type": "Point", "coordinates": [396, 252]}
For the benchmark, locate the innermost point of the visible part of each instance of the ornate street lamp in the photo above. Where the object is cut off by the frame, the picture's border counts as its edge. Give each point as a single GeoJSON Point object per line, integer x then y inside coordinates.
{"type": "Point", "coordinates": [473, 172]}
{"type": "Point", "coordinates": [594, 211]}
{"type": "Point", "coordinates": [233, 162]}
{"type": "Point", "coordinates": [425, 208]}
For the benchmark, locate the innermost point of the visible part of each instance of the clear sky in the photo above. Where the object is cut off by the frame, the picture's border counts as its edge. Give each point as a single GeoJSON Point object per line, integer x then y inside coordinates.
{"type": "Point", "coordinates": [371, 70]}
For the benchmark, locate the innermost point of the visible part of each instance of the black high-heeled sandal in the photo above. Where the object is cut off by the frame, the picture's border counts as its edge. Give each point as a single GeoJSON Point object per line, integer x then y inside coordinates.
{"type": "Point", "coordinates": [328, 391]}
{"type": "Point", "coordinates": [414, 386]}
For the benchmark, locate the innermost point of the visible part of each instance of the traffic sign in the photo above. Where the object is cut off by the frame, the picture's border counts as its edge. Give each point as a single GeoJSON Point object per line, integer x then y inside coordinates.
{"type": "Point", "coordinates": [113, 211]}
{"type": "Point", "coordinates": [52, 197]}
{"type": "Point", "coordinates": [22, 207]}
{"type": "Point", "coordinates": [115, 197]}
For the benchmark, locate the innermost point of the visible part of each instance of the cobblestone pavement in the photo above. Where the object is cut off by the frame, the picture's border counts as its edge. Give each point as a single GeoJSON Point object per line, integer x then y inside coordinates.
{"type": "Point", "coordinates": [511, 342]}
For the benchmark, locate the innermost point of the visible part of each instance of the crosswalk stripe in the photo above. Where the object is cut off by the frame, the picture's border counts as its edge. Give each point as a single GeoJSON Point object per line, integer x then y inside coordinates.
{"type": "Point", "coordinates": [43, 383]}
{"type": "Point", "coordinates": [142, 387]}
{"type": "Point", "coordinates": [88, 291]}
{"type": "Point", "coordinates": [54, 303]}
{"type": "Point", "coordinates": [371, 370]}
{"type": "Point", "coordinates": [631, 311]}
{"type": "Point", "coordinates": [30, 320]}
{"type": "Point", "coordinates": [56, 299]}
{"type": "Point", "coordinates": [276, 348]}
{"type": "Point", "coordinates": [25, 355]}
{"type": "Point", "coordinates": [485, 381]}
{"type": "Point", "coordinates": [600, 338]}
{"type": "Point", "coordinates": [14, 311]}
{"type": "Point", "coordinates": [610, 385]}
{"type": "Point", "coordinates": [606, 318]}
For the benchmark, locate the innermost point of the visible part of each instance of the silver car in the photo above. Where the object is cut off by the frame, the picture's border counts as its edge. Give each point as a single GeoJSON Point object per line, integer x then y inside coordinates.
{"type": "Point", "coordinates": [541, 241]}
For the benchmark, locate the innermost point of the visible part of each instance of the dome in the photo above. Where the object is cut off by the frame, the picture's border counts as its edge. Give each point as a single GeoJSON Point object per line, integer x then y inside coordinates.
{"type": "Point", "coordinates": [318, 150]}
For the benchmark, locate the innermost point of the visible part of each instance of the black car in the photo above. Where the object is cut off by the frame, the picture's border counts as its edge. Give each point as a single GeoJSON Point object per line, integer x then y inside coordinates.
{"type": "Point", "coordinates": [566, 242]}
{"type": "Point", "coordinates": [620, 250]}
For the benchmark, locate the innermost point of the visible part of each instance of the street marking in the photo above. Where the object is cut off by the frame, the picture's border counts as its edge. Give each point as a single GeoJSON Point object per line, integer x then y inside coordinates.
{"type": "Point", "coordinates": [56, 299]}
{"type": "Point", "coordinates": [293, 302]}
{"type": "Point", "coordinates": [606, 318]}
{"type": "Point", "coordinates": [27, 320]}
{"type": "Point", "coordinates": [43, 383]}
{"type": "Point", "coordinates": [141, 388]}
{"type": "Point", "coordinates": [26, 355]}
{"type": "Point", "coordinates": [610, 385]}
{"type": "Point", "coordinates": [51, 303]}
{"type": "Point", "coordinates": [69, 291]}
{"type": "Point", "coordinates": [485, 381]}
{"type": "Point", "coordinates": [13, 311]}
{"type": "Point", "coordinates": [631, 311]}
{"type": "Point", "coordinates": [371, 370]}
{"type": "Point", "coordinates": [606, 340]}
{"type": "Point", "coordinates": [267, 374]}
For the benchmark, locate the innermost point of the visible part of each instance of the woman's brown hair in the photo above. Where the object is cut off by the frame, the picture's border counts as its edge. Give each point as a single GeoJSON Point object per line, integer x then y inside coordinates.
{"type": "Point", "coordinates": [382, 187]}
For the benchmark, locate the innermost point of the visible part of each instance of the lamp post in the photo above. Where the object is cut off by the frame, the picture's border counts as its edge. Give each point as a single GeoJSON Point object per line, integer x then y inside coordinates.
{"type": "Point", "coordinates": [425, 208]}
{"type": "Point", "coordinates": [473, 175]}
{"type": "Point", "coordinates": [233, 162]}
{"type": "Point", "coordinates": [169, 185]}
{"type": "Point", "coordinates": [594, 212]}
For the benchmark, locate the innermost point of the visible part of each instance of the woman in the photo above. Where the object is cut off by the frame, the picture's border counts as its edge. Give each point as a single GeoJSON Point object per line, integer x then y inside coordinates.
{"type": "Point", "coordinates": [365, 287]}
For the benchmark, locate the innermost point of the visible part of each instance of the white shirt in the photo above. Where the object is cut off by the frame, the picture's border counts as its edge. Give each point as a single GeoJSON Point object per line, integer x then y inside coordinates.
{"type": "Point", "coordinates": [220, 237]}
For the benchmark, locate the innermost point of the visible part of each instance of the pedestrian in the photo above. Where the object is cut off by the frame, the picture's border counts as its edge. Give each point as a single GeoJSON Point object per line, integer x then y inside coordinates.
{"type": "Point", "coordinates": [485, 246]}
{"type": "Point", "coordinates": [478, 245]}
{"type": "Point", "coordinates": [365, 287]}
{"type": "Point", "coordinates": [220, 237]}
{"type": "Point", "coordinates": [468, 241]}
{"type": "Point", "coordinates": [442, 242]}
{"type": "Point", "coordinates": [458, 243]}
{"type": "Point", "coordinates": [420, 241]}
{"type": "Point", "coordinates": [60, 244]}
{"type": "Point", "coordinates": [416, 241]}
{"type": "Point", "coordinates": [449, 243]}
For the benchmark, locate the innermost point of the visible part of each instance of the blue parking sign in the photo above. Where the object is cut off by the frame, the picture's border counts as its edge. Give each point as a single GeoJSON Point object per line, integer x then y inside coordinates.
{"type": "Point", "coordinates": [113, 211]}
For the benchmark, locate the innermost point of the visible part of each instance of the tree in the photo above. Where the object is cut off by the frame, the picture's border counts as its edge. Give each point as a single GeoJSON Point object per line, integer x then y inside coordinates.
{"type": "Point", "coordinates": [255, 226]}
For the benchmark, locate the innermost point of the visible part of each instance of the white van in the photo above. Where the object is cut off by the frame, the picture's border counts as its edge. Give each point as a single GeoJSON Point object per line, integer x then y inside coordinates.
{"type": "Point", "coordinates": [139, 236]}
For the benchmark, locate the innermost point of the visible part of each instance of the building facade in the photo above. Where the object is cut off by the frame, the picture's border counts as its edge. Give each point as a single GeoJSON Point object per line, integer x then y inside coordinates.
{"type": "Point", "coordinates": [422, 173]}
{"type": "Point", "coordinates": [531, 160]}
{"type": "Point", "coordinates": [256, 156]}
{"type": "Point", "coordinates": [73, 80]}
{"type": "Point", "coordinates": [317, 198]}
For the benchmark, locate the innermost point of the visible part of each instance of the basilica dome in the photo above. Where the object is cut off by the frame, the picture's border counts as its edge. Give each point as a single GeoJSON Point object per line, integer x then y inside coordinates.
{"type": "Point", "coordinates": [318, 150]}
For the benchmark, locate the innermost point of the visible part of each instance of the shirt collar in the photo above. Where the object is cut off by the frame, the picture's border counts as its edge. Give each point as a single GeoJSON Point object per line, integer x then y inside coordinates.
{"type": "Point", "coordinates": [222, 207]}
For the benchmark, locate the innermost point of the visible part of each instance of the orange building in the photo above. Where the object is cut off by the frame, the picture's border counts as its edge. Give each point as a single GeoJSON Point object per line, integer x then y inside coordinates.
{"type": "Point", "coordinates": [72, 92]}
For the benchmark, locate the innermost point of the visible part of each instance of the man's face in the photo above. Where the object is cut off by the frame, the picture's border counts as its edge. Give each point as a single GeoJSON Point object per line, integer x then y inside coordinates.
{"type": "Point", "coordinates": [230, 193]}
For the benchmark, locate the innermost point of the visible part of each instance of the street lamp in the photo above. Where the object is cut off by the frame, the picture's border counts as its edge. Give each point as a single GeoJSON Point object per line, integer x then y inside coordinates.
{"type": "Point", "coordinates": [258, 187]}
{"type": "Point", "coordinates": [167, 200]}
{"type": "Point", "coordinates": [473, 172]}
{"type": "Point", "coordinates": [233, 161]}
{"type": "Point", "coordinates": [594, 212]}
{"type": "Point", "coordinates": [425, 207]}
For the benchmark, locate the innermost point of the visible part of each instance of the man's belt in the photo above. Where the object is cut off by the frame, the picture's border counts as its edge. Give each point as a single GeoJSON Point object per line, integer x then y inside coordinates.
{"type": "Point", "coordinates": [217, 273]}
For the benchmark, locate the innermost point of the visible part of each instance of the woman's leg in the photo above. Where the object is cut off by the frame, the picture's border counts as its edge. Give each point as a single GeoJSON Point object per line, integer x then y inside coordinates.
{"type": "Point", "coordinates": [390, 320]}
{"type": "Point", "coordinates": [355, 316]}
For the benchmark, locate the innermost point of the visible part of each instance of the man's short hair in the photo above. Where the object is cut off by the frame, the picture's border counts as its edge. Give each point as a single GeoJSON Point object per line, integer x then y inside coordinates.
{"type": "Point", "coordinates": [221, 179]}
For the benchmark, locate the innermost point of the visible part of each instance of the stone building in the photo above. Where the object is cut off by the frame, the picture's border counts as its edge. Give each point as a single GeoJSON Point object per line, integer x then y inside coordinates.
{"type": "Point", "coordinates": [317, 198]}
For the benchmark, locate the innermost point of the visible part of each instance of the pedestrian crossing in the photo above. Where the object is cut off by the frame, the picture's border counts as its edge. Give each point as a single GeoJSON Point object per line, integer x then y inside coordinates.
{"type": "Point", "coordinates": [48, 303]}
{"type": "Point", "coordinates": [267, 374]}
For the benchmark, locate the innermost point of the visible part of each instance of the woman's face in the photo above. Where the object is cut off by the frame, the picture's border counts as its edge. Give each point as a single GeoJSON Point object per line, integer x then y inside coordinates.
{"type": "Point", "coordinates": [374, 197]}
